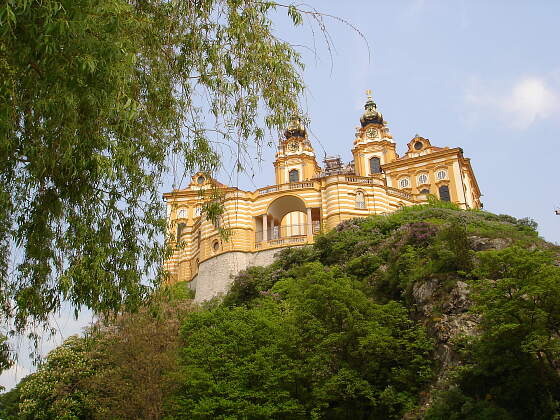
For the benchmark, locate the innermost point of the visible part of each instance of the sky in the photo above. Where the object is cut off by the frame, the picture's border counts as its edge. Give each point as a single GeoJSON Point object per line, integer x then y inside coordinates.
{"type": "Point", "coordinates": [481, 75]}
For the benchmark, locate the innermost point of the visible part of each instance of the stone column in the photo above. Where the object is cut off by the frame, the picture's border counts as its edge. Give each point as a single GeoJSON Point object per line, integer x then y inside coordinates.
{"type": "Point", "coordinates": [265, 227]}
{"type": "Point", "coordinates": [309, 223]}
{"type": "Point", "coordinates": [272, 228]}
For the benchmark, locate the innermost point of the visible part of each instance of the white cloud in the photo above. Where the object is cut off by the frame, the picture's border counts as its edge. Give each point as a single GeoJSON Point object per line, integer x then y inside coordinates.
{"type": "Point", "coordinates": [525, 102]}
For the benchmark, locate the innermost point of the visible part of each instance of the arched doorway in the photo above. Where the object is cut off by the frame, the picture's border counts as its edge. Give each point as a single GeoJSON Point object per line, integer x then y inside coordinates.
{"type": "Point", "coordinates": [286, 217]}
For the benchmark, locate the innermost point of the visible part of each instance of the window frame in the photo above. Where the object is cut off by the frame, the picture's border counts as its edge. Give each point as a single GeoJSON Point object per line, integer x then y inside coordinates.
{"type": "Point", "coordinates": [360, 204]}
{"type": "Point", "coordinates": [290, 172]}
{"type": "Point", "coordinates": [448, 193]}
{"type": "Point", "coordinates": [419, 179]}
{"type": "Point", "coordinates": [378, 167]}
{"type": "Point", "coordinates": [403, 180]}
{"type": "Point", "coordinates": [444, 176]}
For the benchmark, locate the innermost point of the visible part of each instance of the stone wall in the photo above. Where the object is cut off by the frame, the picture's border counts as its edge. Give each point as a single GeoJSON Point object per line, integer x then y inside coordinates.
{"type": "Point", "coordinates": [216, 274]}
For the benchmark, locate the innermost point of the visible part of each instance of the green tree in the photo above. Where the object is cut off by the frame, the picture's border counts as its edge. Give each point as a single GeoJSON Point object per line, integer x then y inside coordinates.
{"type": "Point", "coordinates": [55, 391]}
{"type": "Point", "coordinates": [95, 98]}
{"type": "Point", "coordinates": [9, 402]}
{"type": "Point", "coordinates": [137, 358]}
{"type": "Point", "coordinates": [513, 363]}
{"type": "Point", "coordinates": [121, 369]}
{"type": "Point", "coordinates": [313, 346]}
{"type": "Point", "coordinates": [237, 364]}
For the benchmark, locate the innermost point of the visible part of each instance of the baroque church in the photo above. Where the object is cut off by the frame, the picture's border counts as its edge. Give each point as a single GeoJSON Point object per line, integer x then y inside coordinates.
{"type": "Point", "coordinates": [307, 199]}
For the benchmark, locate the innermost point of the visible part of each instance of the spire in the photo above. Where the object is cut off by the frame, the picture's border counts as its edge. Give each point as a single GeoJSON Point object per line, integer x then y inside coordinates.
{"type": "Point", "coordinates": [371, 115]}
{"type": "Point", "coordinates": [296, 127]}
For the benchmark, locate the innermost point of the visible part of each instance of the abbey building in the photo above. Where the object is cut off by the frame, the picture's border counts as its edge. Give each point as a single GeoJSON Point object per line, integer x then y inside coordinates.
{"type": "Point", "coordinates": [308, 198]}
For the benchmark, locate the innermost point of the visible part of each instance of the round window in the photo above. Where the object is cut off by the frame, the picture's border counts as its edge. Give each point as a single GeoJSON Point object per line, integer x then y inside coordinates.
{"type": "Point", "coordinates": [422, 179]}
{"type": "Point", "coordinates": [404, 183]}
{"type": "Point", "coordinates": [216, 246]}
{"type": "Point", "coordinates": [441, 174]}
{"type": "Point", "coordinates": [200, 179]}
{"type": "Point", "coordinates": [418, 145]}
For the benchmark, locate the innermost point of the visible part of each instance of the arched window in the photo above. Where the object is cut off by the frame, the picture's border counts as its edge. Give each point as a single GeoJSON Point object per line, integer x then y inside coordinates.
{"type": "Point", "coordinates": [294, 175]}
{"type": "Point", "coordinates": [182, 214]}
{"type": "Point", "coordinates": [422, 179]}
{"type": "Point", "coordinates": [425, 191]}
{"type": "Point", "coordinates": [404, 183]}
{"type": "Point", "coordinates": [360, 200]}
{"type": "Point", "coordinates": [444, 193]}
{"type": "Point", "coordinates": [374, 165]}
{"type": "Point", "coordinates": [442, 174]}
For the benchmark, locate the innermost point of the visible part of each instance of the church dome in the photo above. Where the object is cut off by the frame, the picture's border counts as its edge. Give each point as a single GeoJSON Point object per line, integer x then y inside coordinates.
{"type": "Point", "coordinates": [371, 115]}
{"type": "Point", "coordinates": [295, 128]}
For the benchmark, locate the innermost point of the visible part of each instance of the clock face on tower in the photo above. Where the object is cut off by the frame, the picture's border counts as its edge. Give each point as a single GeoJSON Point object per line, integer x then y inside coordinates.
{"type": "Point", "coordinates": [293, 146]}
{"type": "Point", "coordinates": [371, 133]}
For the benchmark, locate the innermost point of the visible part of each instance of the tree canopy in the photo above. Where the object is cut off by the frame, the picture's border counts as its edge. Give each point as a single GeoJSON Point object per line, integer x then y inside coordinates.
{"type": "Point", "coordinates": [428, 313]}
{"type": "Point", "coordinates": [313, 346]}
{"type": "Point", "coordinates": [97, 97]}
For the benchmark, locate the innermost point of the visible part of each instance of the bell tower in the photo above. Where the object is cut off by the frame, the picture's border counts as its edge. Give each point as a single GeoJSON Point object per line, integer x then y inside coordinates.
{"type": "Point", "coordinates": [374, 145]}
{"type": "Point", "coordinates": [295, 158]}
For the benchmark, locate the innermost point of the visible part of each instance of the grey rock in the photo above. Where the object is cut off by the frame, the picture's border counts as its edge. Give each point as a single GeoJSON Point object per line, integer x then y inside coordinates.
{"type": "Point", "coordinates": [424, 292]}
{"type": "Point", "coordinates": [483, 244]}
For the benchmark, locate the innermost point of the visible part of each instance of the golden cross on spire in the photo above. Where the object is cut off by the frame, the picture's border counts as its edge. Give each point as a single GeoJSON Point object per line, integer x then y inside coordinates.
{"type": "Point", "coordinates": [368, 93]}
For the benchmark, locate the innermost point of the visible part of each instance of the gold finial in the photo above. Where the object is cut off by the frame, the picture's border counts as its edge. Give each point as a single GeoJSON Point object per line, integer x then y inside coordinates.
{"type": "Point", "coordinates": [368, 93]}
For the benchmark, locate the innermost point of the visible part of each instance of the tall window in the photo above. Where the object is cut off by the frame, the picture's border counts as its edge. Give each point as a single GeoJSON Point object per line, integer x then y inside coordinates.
{"type": "Point", "coordinates": [294, 175]}
{"type": "Point", "coordinates": [180, 227]}
{"type": "Point", "coordinates": [444, 193]}
{"type": "Point", "coordinates": [374, 165]}
{"type": "Point", "coordinates": [360, 200]}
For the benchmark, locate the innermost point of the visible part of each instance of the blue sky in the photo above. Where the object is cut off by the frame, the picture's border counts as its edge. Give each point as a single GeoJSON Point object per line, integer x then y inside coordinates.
{"type": "Point", "coordinates": [481, 75]}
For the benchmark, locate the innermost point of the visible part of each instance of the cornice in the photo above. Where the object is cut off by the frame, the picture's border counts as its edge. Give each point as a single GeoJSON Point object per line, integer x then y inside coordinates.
{"type": "Point", "coordinates": [456, 151]}
{"type": "Point", "coordinates": [187, 193]}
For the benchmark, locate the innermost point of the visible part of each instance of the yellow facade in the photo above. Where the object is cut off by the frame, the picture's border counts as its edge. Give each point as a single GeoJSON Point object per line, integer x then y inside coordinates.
{"type": "Point", "coordinates": [308, 198]}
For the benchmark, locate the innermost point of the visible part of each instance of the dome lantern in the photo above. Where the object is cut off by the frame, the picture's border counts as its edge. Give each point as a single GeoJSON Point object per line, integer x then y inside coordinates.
{"type": "Point", "coordinates": [296, 128]}
{"type": "Point", "coordinates": [371, 115]}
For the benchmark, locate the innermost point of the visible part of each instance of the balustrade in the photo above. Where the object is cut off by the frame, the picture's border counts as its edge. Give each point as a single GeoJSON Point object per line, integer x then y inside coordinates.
{"type": "Point", "coordinates": [286, 235]}
{"type": "Point", "coordinates": [286, 187]}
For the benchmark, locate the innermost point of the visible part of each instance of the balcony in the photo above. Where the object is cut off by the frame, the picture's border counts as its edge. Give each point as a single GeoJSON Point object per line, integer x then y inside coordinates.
{"type": "Point", "coordinates": [288, 235]}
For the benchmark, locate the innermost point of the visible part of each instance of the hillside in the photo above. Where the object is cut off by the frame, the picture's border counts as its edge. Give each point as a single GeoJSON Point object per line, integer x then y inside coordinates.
{"type": "Point", "coordinates": [431, 312]}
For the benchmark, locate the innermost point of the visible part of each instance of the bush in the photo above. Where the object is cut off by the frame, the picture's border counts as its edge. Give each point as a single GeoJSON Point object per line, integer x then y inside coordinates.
{"type": "Point", "coordinates": [454, 405]}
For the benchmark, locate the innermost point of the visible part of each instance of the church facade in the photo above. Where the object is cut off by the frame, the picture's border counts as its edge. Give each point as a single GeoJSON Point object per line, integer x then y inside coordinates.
{"type": "Point", "coordinates": [307, 199]}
